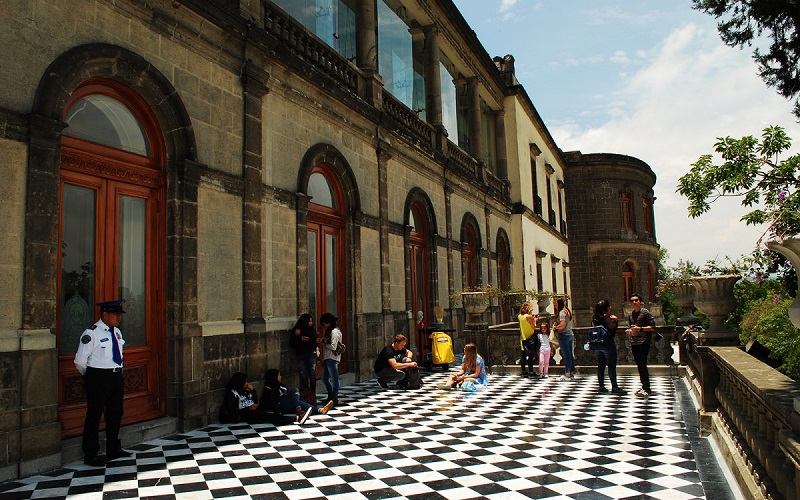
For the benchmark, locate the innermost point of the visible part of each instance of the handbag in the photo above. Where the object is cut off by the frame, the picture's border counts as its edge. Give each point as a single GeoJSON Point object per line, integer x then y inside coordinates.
{"type": "Point", "coordinates": [531, 344]}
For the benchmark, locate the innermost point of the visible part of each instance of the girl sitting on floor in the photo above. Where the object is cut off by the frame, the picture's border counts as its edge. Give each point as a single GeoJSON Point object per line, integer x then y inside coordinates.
{"type": "Point", "coordinates": [473, 370]}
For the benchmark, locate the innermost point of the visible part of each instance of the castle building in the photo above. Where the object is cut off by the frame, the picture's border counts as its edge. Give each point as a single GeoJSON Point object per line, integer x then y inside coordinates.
{"type": "Point", "coordinates": [226, 165]}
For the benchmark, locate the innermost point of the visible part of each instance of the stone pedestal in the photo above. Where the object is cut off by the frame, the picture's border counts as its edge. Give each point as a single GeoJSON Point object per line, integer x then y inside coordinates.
{"type": "Point", "coordinates": [684, 298]}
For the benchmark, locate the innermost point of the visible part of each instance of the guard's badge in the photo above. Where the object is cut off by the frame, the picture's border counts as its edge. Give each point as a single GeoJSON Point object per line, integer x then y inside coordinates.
{"type": "Point", "coordinates": [86, 339]}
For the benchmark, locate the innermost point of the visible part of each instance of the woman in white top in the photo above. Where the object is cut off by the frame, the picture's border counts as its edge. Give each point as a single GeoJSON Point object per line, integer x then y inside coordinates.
{"type": "Point", "coordinates": [566, 339]}
{"type": "Point", "coordinates": [330, 357]}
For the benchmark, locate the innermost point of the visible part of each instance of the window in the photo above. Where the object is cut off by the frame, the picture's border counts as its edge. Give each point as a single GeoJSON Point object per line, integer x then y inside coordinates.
{"type": "Point", "coordinates": [104, 120]}
{"type": "Point", "coordinates": [400, 58]}
{"type": "Point", "coordinates": [471, 257]}
{"type": "Point", "coordinates": [626, 211]}
{"type": "Point", "coordinates": [647, 210]}
{"type": "Point", "coordinates": [454, 106]}
{"type": "Point", "coordinates": [550, 212]}
{"type": "Point", "coordinates": [537, 200]}
{"type": "Point", "coordinates": [627, 278]}
{"type": "Point", "coordinates": [488, 126]}
{"type": "Point", "coordinates": [539, 275]}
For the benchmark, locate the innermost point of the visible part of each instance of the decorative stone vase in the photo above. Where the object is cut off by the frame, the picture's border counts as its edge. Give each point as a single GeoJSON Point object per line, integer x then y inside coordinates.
{"type": "Point", "coordinates": [790, 248]}
{"type": "Point", "coordinates": [543, 302]}
{"type": "Point", "coordinates": [714, 296]}
{"type": "Point", "coordinates": [514, 301]}
{"type": "Point", "coordinates": [684, 298]}
{"type": "Point", "coordinates": [475, 304]}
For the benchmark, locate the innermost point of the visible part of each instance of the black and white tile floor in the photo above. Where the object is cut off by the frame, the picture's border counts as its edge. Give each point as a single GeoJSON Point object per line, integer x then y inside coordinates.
{"type": "Point", "coordinates": [517, 439]}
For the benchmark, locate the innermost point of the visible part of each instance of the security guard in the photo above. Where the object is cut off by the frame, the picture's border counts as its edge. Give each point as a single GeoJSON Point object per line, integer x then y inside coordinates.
{"type": "Point", "coordinates": [99, 359]}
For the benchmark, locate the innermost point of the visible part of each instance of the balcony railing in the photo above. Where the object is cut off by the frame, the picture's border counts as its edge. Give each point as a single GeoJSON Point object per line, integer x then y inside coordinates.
{"type": "Point", "coordinates": [307, 46]}
{"type": "Point", "coordinates": [417, 128]}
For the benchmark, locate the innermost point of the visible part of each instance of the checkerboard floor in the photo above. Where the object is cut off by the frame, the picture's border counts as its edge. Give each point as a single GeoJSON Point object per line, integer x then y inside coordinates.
{"type": "Point", "coordinates": [519, 438]}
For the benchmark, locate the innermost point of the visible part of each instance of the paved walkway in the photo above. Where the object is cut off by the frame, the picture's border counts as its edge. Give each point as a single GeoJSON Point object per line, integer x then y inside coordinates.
{"type": "Point", "coordinates": [517, 439]}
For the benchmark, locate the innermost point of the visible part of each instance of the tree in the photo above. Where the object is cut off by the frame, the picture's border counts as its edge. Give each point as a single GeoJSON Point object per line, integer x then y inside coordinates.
{"type": "Point", "coordinates": [742, 21]}
{"type": "Point", "coordinates": [752, 169]}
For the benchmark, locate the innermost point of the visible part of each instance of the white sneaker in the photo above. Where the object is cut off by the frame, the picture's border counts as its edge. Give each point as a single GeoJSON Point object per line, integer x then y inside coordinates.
{"type": "Point", "coordinates": [642, 393]}
{"type": "Point", "coordinates": [564, 377]}
{"type": "Point", "coordinates": [305, 416]}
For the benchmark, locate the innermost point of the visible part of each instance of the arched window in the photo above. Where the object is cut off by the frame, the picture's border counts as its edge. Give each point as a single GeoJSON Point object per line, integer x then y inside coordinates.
{"type": "Point", "coordinates": [112, 235]}
{"type": "Point", "coordinates": [326, 245]}
{"type": "Point", "coordinates": [418, 249]}
{"type": "Point", "coordinates": [627, 279]}
{"type": "Point", "coordinates": [470, 257]}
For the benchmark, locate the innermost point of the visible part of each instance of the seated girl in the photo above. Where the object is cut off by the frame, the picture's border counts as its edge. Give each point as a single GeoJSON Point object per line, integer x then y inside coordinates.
{"type": "Point", "coordinates": [241, 402]}
{"type": "Point", "coordinates": [473, 369]}
{"type": "Point", "coordinates": [280, 399]}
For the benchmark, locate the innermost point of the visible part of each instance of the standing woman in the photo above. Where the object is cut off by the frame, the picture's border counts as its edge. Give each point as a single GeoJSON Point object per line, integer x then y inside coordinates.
{"type": "Point", "coordinates": [566, 339]}
{"type": "Point", "coordinates": [303, 339]}
{"type": "Point", "coordinates": [607, 352]}
{"type": "Point", "coordinates": [331, 355]}
{"type": "Point", "coordinates": [527, 327]}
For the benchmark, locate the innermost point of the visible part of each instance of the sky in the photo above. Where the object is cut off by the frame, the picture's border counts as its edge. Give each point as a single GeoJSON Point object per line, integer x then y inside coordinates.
{"type": "Point", "coordinates": [645, 78]}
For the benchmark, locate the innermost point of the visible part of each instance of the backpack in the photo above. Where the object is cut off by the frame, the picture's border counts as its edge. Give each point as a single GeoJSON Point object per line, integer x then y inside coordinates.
{"type": "Point", "coordinates": [596, 336]}
{"type": "Point", "coordinates": [413, 379]}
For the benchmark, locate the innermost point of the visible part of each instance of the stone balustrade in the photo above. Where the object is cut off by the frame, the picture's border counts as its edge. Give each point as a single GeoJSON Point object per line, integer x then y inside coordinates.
{"type": "Point", "coordinates": [415, 128]}
{"type": "Point", "coordinates": [752, 411]}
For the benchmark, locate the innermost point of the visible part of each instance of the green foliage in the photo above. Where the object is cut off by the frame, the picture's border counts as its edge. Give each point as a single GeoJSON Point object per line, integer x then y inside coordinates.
{"type": "Point", "coordinates": [750, 169]}
{"type": "Point", "coordinates": [740, 22]}
{"type": "Point", "coordinates": [767, 321]}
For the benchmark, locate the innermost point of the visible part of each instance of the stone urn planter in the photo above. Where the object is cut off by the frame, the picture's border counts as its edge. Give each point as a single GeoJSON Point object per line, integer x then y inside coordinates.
{"type": "Point", "coordinates": [514, 300]}
{"type": "Point", "coordinates": [543, 302]}
{"type": "Point", "coordinates": [684, 298]}
{"type": "Point", "coordinates": [790, 248]}
{"type": "Point", "coordinates": [714, 296]}
{"type": "Point", "coordinates": [475, 304]}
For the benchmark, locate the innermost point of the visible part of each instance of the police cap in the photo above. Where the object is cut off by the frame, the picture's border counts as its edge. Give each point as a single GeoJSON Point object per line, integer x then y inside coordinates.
{"type": "Point", "coordinates": [112, 306]}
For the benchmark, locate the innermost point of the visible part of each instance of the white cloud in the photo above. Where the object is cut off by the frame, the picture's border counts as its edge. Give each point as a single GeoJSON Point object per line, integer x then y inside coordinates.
{"type": "Point", "coordinates": [669, 112]}
{"type": "Point", "coordinates": [506, 5]}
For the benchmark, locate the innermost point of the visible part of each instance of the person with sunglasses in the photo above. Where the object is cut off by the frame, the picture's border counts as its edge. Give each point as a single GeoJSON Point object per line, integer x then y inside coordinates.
{"type": "Point", "coordinates": [642, 323]}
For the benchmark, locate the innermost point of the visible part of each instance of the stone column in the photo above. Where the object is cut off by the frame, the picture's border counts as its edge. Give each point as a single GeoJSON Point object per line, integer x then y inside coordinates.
{"type": "Point", "coordinates": [433, 86]}
{"type": "Point", "coordinates": [383, 157]}
{"type": "Point", "coordinates": [502, 156]}
{"type": "Point", "coordinates": [254, 89]}
{"type": "Point", "coordinates": [370, 83]}
{"type": "Point", "coordinates": [31, 433]}
{"type": "Point", "coordinates": [448, 223]}
{"type": "Point", "coordinates": [474, 118]}
{"type": "Point", "coordinates": [301, 237]}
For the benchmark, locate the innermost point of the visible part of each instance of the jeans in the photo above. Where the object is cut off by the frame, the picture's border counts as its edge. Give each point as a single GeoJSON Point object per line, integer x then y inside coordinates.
{"type": "Point", "coordinates": [389, 375]}
{"type": "Point", "coordinates": [306, 364]}
{"type": "Point", "coordinates": [527, 358]}
{"type": "Point", "coordinates": [566, 341]}
{"type": "Point", "coordinates": [607, 355]}
{"type": "Point", "coordinates": [291, 401]}
{"type": "Point", "coordinates": [640, 353]}
{"type": "Point", "coordinates": [330, 377]}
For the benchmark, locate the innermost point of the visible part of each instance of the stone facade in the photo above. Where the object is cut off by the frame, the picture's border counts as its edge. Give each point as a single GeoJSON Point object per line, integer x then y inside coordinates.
{"type": "Point", "coordinates": [603, 246]}
{"type": "Point", "coordinates": [245, 109]}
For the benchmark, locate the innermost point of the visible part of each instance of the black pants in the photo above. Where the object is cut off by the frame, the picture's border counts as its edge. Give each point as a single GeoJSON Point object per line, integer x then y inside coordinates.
{"type": "Point", "coordinates": [528, 358]}
{"type": "Point", "coordinates": [104, 391]}
{"type": "Point", "coordinates": [640, 353]}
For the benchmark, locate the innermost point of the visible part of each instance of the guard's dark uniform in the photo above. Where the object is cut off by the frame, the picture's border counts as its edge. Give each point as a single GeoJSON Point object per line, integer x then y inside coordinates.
{"type": "Point", "coordinates": [99, 359]}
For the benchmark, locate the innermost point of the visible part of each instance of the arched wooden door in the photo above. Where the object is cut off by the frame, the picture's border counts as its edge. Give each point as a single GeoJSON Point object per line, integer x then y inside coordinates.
{"type": "Point", "coordinates": [326, 250]}
{"type": "Point", "coordinates": [420, 275]}
{"type": "Point", "coordinates": [112, 236]}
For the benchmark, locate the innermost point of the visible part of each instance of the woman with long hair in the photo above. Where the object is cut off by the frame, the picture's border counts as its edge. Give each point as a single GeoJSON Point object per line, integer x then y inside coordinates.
{"type": "Point", "coordinates": [303, 339]}
{"type": "Point", "coordinates": [473, 370]}
{"type": "Point", "coordinates": [527, 330]}
{"type": "Point", "coordinates": [607, 351]}
{"type": "Point", "coordinates": [331, 356]}
{"type": "Point", "coordinates": [566, 339]}
{"type": "Point", "coordinates": [280, 399]}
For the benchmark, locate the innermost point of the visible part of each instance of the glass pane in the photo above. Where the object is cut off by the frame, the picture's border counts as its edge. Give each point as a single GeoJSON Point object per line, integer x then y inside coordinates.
{"type": "Point", "coordinates": [105, 120]}
{"type": "Point", "coordinates": [412, 222]}
{"type": "Point", "coordinates": [132, 237]}
{"type": "Point", "coordinates": [320, 191]}
{"type": "Point", "coordinates": [312, 275]}
{"type": "Point", "coordinates": [420, 279]}
{"type": "Point", "coordinates": [77, 265]}
{"type": "Point", "coordinates": [395, 52]}
{"type": "Point", "coordinates": [449, 106]}
{"type": "Point", "coordinates": [331, 304]}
